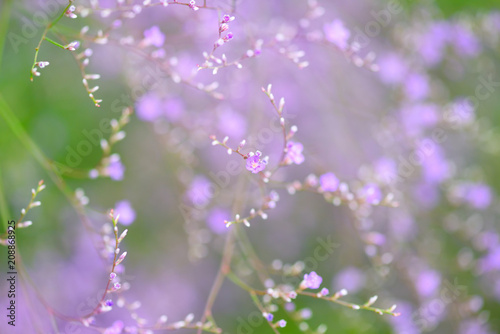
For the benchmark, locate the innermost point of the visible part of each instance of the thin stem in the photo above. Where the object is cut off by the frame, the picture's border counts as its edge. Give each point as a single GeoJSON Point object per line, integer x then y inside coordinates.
{"type": "Point", "coordinates": [44, 34]}
{"type": "Point", "coordinates": [115, 258]}
{"type": "Point", "coordinates": [219, 279]}
{"type": "Point", "coordinates": [54, 42]}
{"type": "Point", "coordinates": [225, 265]}
{"type": "Point", "coordinates": [253, 294]}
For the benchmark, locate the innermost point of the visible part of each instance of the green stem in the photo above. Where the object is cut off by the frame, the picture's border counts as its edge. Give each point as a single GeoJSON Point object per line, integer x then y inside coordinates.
{"type": "Point", "coordinates": [49, 26]}
{"type": "Point", "coordinates": [54, 42]}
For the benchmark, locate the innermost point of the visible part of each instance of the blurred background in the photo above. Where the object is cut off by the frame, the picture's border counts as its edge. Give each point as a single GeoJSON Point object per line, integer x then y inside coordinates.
{"type": "Point", "coordinates": [419, 121]}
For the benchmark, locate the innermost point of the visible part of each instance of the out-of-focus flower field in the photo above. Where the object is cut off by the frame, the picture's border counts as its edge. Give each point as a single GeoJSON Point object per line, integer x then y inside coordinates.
{"type": "Point", "coordinates": [239, 167]}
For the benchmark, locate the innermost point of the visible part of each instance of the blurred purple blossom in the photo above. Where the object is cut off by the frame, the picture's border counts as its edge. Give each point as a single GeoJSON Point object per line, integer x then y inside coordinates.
{"type": "Point", "coordinates": [371, 193]}
{"type": "Point", "coordinates": [416, 86]}
{"type": "Point", "coordinates": [154, 36]}
{"type": "Point", "coordinates": [350, 278]}
{"type": "Point", "coordinates": [479, 195]}
{"type": "Point", "coordinates": [294, 152]}
{"type": "Point", "coordinates": [312, 280]}
{"type": "Point", "coordinates": [465, 42]}
{"type": "Point", "coordinates": [392, 69]}
{"type": "Point", "coordinates": [336, 33]}
{"type": "Point", "coordinates": [174, 109]}
{"type": "Point", "coordinates": [432, 44]}
{"type": "Point", "coordinates": [427, 282]}
{"type": "Point", "coordinates": [116, 328]}
{"type": "Point", "coordinates": [115, 169]}
{"type": "Point", "coordinates": [490, 261]}
{"type": "Point", "coordinates": [199, 192]}
{"type": "Point", "coordinates": [405, 322]}
{"type": "Point", "coordinates": [126, 212]}
{"type": "Point", "coordinates": [435, 167]}
{"type": "Point", "coordinates": [216, 218]}
{"type": "Point", "coordinates": [329, 182]}
{"type": "Point", "coordinates": [149, 107]}
{"type": "Point", "coordinates": [386, 170]}
{"type": "Point", "coordinates": [418, 117]}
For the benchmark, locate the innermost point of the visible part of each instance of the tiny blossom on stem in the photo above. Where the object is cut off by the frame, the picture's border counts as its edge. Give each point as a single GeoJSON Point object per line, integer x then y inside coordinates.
{"type": "Point", "coordinates": [192, 5]}
{"type": "Point", "coordinates": [255, 164]}
{"type": "Point", "coordinates": [311, 281]}
{"type": "Point", "coordinates": [294, 153]}
{"type": "Point", "coordinates": [72, 46]}
{"type": "Point", "coordinates": [329, 182]}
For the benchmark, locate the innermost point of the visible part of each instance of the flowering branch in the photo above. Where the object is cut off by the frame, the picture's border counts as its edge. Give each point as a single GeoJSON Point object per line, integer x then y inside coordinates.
{"type": "Point", "coordinates": [42, 64]}
{"type": "Point", "coordinates": [32, 204]}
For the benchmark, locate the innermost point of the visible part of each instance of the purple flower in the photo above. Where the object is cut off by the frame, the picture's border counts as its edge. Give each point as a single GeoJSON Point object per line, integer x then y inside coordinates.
{"type": "Point", "coordinates": [427, 283]}
{"type": "Point", "coordinates": [324, 292]}
{"type": "Point", "coordinates": [255, 164]}
{"type": "Point", "coordinates": [282, 323]}
{"type": "Point", "coordinates": [126, 212]}
{"type": "Point", "coordinates": [416, 118]}
{"type": "Point", "coordinates": [294, 153]}
{"type": "Point", "coordinates": [434, 167]}
{"type": "Point", "coordinates": [465, 42]}
{"type": "Point", "coordinates": [337, 34]}
{"type": "Point", "coordinates": [371, 193]}
{"type": "Point", "coordinates": [149, 107]}
{"type": "Point", "coordinates": [392, 69]}
{"type": "Point", "coordinates": [478, 196]}
{"type": "Point", "coordinates": [216, 218]}
{"type": "Point", "coordinates": [386, 170]}
{"type": "Point", "coordinates": [490, 261]}
{"type": "Point", "coordinates": [269, 316]}
{"type": "Point", "coordinates": [350, 278]}
{"type": "Point", "coordinates": [115, 169]}
{"type": "Point", "coordinates": [416, 86]}
{"type": "Point", "coordinates": [154, 36]}
{"type": "Point", "coordinates": [312, 280]}
{"type": "Point", "coordinates": [173, 108]}
{"type": "Point", "coordinates": [329, 182]}
{"type": "Point", "coordinates": [200, 191]}
{"type": "Point", "coordinates": [433, 42]}
{"type": "Point", "coordinates": [109, 302]}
